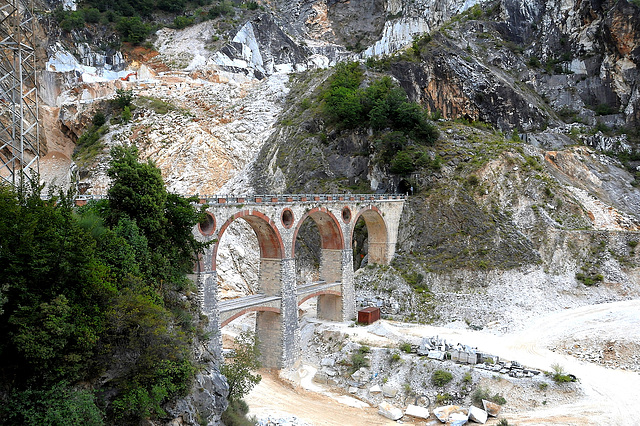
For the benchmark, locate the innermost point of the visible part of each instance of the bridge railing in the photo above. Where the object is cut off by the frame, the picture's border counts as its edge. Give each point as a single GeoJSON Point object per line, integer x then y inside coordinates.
{"type": "Point", "coordinates": [271, 198]}
{"type": "Point", "coordinates": [297, 198]}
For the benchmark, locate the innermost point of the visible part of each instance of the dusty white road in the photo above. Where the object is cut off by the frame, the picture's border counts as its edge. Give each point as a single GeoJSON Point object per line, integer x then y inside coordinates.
{"type": "Point", "coordinates": [611, 397]}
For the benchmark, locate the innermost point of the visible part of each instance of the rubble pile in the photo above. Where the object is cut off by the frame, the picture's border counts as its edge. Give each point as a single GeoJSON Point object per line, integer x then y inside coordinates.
{"type": "Point", "coordinates": [439, 349]}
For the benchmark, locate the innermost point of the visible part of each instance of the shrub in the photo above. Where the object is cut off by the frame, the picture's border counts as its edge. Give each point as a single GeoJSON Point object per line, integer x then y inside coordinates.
{"type": "Point", "coordinates": [402, 163]}
{"type": "Point", "coordinates": [222, 8]}
{"type": "Point", "coordinates": [405, 347]}
{"type": "Point", "coordinates": [239, 367]}
{"type": "Point", "coordinates": [441, 377]}
{"type": "Point", "coordinates": [358, 360]}
{"type": "Point", "coordinates": [472, 180]}
{"type": "Point", "coordinates": [603, 109]}
{"type": "Point", "coordinates": [235, 414]}
{"type": "Point", "coordinates": [590, 279]}
{"type": "Point", "coordinates": [98, 119]}
{"type": "Point", "coordinates": [482, 393]}
{"type": "Point", "coordinates": [443, 398]}
{"type": "Point", "coordinates": [126, 114]}
{"type": "Point", "coordinates": [123, 98]}
{"type": "Point", "coordinates": [132, 29]}
{"type": "Point", "coordinates": [559, 375]}
{"type": "Point", "coordinates": [395, 357]}
{"type": "Point", "coordinates": [181, 22]}
{"type": "Point", "coordinates": [467, 378]}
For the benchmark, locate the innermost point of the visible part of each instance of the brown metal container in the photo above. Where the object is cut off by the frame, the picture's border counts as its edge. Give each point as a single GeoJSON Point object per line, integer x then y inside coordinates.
{"type": "Point", "coordinates": [368, 315]}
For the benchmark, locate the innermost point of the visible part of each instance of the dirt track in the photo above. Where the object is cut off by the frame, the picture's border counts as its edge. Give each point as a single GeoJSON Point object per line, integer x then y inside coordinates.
{"type": "Point", "coordinates": [609, 396]}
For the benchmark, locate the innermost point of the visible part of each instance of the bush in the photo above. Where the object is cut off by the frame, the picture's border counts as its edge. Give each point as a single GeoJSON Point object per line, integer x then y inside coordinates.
{"type": "Point", "coordinates": [98, 119]}
{"type": "Point", "coordinates": [123, 98]}
{"type": "Point", "coordinates": [72, 21]}
{"type": "Point", "coordinates": [402, 164]}
{"type": "Point", "coordinates": [126, 114]}
{"type": "Point", "coordinates": [358, 361]}
{"type": "Point", "coordinates": [181, 22]}
{"type": "Point", "coordinates": [441, 377]}
{"type": "Point", "coordinates": [132, 29]}
{"type": "Point", "coordinates": [405, 347]}
{"type": "Point", "coordinates": [395, 357]}
{"type": "Point", "coordinates": [91, 15]}
{"type": "Point", "coordinates": [443, 398]}
{"type": "Point", "coordinates": [482, 393]}
{"type": "Point", "coordinates": [235, 414]}
{"type": "Point", "coordinates": [239, 367]}
{"type": "Point", "coordinates": [222, 8]}
{"type": "Point", "coordinates": [559, 375]}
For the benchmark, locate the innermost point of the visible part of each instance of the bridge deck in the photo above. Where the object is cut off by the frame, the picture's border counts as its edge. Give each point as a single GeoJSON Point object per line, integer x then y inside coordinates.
{"type": "Point", "coordinates": [240, 303]}
{"type": "Point", "coordinates": [246, 302]}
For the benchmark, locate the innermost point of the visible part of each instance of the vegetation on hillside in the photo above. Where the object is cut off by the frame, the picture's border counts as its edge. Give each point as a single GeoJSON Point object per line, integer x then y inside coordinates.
{"type": "Point", "coordinates": [135, 20]}
{"type": "Point", "coordinates": [95, 323]}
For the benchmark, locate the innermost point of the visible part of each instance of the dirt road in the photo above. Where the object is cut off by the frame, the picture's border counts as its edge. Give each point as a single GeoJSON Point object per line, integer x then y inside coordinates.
{"type": "Point", "coordinates": [610, 397]}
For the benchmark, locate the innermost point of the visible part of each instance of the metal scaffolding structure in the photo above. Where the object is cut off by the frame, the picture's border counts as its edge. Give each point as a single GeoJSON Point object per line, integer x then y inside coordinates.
{"type": "Point", "coordinates": [19, 130]}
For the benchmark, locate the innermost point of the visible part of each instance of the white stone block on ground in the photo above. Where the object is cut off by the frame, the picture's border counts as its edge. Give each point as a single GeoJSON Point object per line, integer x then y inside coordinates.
{"type": "Point", "coordinates": [389, 411]}
{"type": "Point", "coordinates": [327, 362]}
{"type": "Point", "coordinates": [416, 411]}
{"type": "Point", "coordinates": [389, 391]}
{"type": "Point", "coordinates": [477, 415]}
{"type": "Point", "coordinates": [375, 389]}
{"type": "Point", "coordinates": [353, 389]}
{"type": "Point", "coordinates": [491, 408]}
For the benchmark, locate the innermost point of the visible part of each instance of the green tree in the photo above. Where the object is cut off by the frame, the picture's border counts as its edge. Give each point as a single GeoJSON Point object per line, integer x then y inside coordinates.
{"type": "Point", "coordinates": [239, 367]}
{"type": "Point", "coordinates": [132, 29]}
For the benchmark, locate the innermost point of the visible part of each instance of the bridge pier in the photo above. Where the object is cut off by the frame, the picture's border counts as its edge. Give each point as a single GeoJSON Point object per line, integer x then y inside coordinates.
{"type": "Point", "coordinates": [348, 286]}
{"type": "Point", "coordinates": [289, 311]}
{"type": "Point", "coordinates": [207, 283]}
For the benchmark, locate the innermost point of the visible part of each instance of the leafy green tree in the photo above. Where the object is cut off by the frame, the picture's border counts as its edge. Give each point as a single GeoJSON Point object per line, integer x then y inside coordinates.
{"type": "Point", "coordinates": [132, 29]}
{"type": "Point", "coordinates": [57, 290]}
{"type": "Point", "coordinates": [239, 367]}
{"type": "Point", "coordinates": [402, 163]}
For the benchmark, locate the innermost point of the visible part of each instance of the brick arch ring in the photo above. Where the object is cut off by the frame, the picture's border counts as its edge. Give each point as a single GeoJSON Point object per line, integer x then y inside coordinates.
{"type": "Point", "coordinates": [331, 236]}
{"type": "Point", "coordinates": [247, 310]}
{"type": "Point", "coordinates": [269, 238]}
{"type": "Point", "coordinates": [374, 220]}
{"type": "Point", "coordinates": [319, 293]}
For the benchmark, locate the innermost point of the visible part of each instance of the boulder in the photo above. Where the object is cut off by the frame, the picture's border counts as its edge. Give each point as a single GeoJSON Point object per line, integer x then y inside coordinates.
{"type": "Point", "coordinates": [451, 413]}
{"type": "Point", "coordinates": [353, 389]}
{"type": "Point", "coordinates": [389, 391]}
{"type": "Point", "coordinates": [389, 411]}
{"type": "Point", "coordinates": [458, 419]}
{"type": "Point", "coordinates": [477, 415]}
{"type": "Point", "coordinates": [416, 411]}
{"type": "Point", "coordinates": [491, 408]}
{"type": "Point", "coordinates": [375, 389]}
{"type": "Point", "coordinates": [327, 362]}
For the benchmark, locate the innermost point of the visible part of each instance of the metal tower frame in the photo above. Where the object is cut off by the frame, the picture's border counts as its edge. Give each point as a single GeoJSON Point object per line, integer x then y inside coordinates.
{"type": "Point", "coordinates": [19, 129]}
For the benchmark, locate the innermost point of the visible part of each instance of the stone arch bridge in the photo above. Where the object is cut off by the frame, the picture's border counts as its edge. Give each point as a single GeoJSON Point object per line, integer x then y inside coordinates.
{"type": "Point", "coordinates": [276, 220]}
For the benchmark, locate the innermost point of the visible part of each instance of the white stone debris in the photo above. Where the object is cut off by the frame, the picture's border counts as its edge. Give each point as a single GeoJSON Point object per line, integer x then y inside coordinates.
{"type": "Point", "coordinates": [389, 411]}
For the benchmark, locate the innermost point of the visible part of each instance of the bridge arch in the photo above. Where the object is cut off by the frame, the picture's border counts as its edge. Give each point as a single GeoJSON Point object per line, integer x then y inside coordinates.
{"type": "Point", "coordinates": [377, 230]}
{"type": "Point", "coordinates": [331, 242]}
{"type": "Point", "coordinates": [330, 232]}
{"type": "Point", "coordinates": [269, 238]}
{"type": "Point", "coordinates": [271, 249]}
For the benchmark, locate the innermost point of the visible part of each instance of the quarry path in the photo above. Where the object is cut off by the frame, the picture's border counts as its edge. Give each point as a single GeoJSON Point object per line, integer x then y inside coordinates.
{"type": "Point", "coordinates": [608, 396]}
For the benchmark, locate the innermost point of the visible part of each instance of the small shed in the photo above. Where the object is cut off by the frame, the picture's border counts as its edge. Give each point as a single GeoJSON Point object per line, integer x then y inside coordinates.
{"type": "Point", "coordinates": [368, 315]}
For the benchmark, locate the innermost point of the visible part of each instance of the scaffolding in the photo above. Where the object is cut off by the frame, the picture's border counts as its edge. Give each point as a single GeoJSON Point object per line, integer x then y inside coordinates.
{"type": "Point", "coordinates": [19, 130]}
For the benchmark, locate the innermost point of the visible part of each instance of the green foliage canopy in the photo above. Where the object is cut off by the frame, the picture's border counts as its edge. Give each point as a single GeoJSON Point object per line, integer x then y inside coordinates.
{"type": "Point", "coordinates": [93, 292]}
